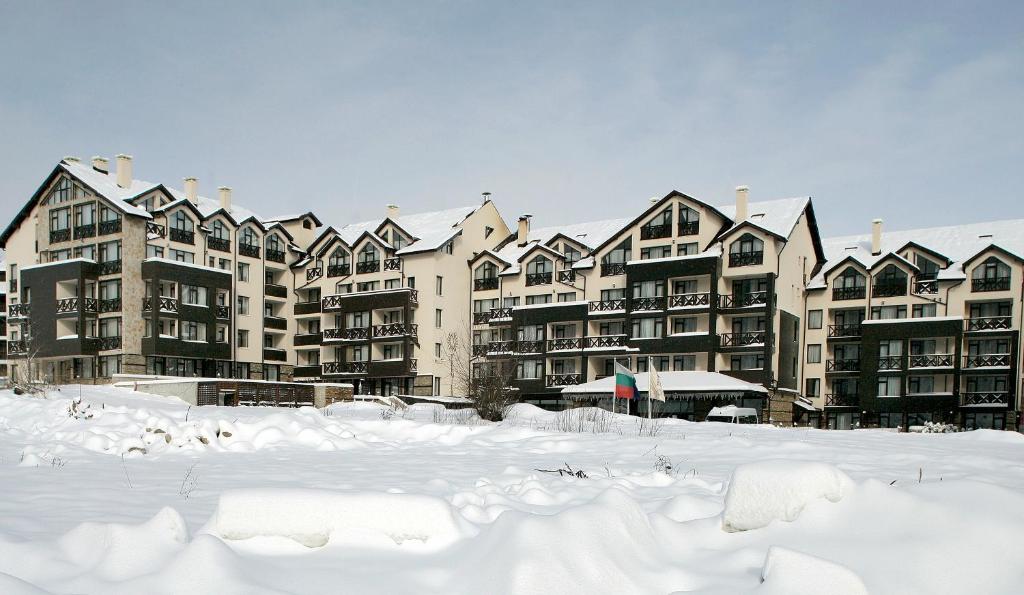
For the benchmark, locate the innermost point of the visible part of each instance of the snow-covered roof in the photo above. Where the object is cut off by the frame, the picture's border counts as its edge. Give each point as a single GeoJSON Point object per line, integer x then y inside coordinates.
{"type": "Point", "coordinates": [591, 234]}
{"type": "Point", "coordinates": [672, 382]}
{"type": "Point", "coordinates": [105, 184]}
{"type": "Point", "coordinates": [958, 243]}
{"type": "Point", "coordinates": [774, 216]}
{"type": "Point", "coordinates": [429, 230]}
{"type": "Point", "coordinates": [209, 206]}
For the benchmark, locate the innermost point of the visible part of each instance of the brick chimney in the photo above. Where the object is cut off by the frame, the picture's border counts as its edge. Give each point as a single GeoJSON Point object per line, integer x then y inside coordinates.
{"type": "Point", "coordinates": [876, 237]}
{"type": "Point", "coordinates": [192, 191]}
{"type": "Point", "coordinates": [124, 170]}
{"type": "Point", "coordinates": [225, 198]}
{"type": "Point", "coordinates": [741, 203]}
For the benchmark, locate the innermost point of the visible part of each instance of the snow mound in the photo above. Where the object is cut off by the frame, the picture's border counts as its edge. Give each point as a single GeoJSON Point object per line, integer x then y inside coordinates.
{"type": "Point", "coordinates": [788, 572]}
{"type": "Point", "coordinates": [311, 517]}
{"type": "Point", "coordinates": [762, 492]}
{"type": "Point", "coordinates": [10, 585]}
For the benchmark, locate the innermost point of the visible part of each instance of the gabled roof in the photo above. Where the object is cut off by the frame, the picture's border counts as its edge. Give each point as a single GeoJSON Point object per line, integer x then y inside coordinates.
{"type": "Point", "coordinates": [428, 231]}
{"type": "Point", "coordinates": [295, 217]}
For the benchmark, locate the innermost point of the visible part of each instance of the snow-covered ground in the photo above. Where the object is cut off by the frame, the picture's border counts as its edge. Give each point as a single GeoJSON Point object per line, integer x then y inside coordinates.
{"type": "Point", "coordinates": [130, 493]}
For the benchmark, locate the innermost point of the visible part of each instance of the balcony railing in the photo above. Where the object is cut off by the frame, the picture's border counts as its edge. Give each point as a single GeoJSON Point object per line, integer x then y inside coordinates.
{"type": "Point", "coordinates": [314, 274]}
{"type": "Point", "coordinates": [529, 346]}
{"type": "Point", "coordinates": [565, 344]}
{"type": "Point", "coordinates": [339, 270]}
{"type": "Point", "coordinates": [566, 276]}
{"type": "Point", "coordinates": [842, 400]}
{"type": "Point", "coordinates": [844, 330]}
{"type": "Point", "coordinates": [613, 268]}
{"type": "Point", "coordinates": [85, 231]}
{"type": "Point", "coordinates": [272, 354]}
{"type": "Point", "coordinates": [654, 232]}
{"type": "Point", "coordinates": [648, 304]}
{"type": "Point", "coordinates": [220, 244]}
{"type": "Point", "coordinates": [988, 323]}
{"type": "Point", "coordinates": [931, 360]}
{"type": "Point", "coordinates": [345, 367]}
{"type": "Point", "coordinates": [480, 350]}
{"type": "Point", "coordinates": [109, 227]}
{"type": "Point", "coordinates": [689, 228]}
{"type": "Point", "coordinates": [395, 329]}
{"type": "Point", "coordinates": [485, 283]}
{"type": "Point", "coordinates": [990, 284]}
{"type": "Point", "coordinates": [538, 279]}
{"type": "Point", "coordinates": [742, 339]}
{"type": "Point", "coordinates": [604, 342]}
{"type": "Point", "coordinates": [890, 362]}
{"type": "Point", "coordinates": [888, 288]}
{"type": "Point", "coordinates": [392, 264]}
{"type": "Point", "coordinates": [250, 250]}
{"type": "Point", "coordinates": [221, 312]}
{"type": "Point", "coordinates": [744, 300]}
{"type": "Point", "coordinates": [19, 347]}
{"type": "Point", "coordinates": [500, 314]}
{"type": "Point", "coordinates": [60, 235]}
{"type": "Point", "coordinates": [275, 323]}
{"type": "Point", "coordinates": [554, 380]}
{"type": "Point", "coordinates": [183, 236]}
{"type": "Point", "coordinates": [156, 229]}
{"type": "Point", "coordinates": [849, 293]}
{"type": "Point", "coordinates": [481, 317]}
{"type": "Point", "coordinates": [615, 305]}
{"type": "Point", "coordinates": [986, 398]}
{"type": "Point", "coordinates": [925, 286]}
{"type": "Point", "coordinates": [987, 360]}
{"type": "Point", "coordinates": [75, 304]}
{"type": "Point", "coordinates": [166, 304]}
{"type": "Point", "coordinates": [19, 310]}
{"type": "Point", "coordinates": [275, 290]}
{"type": "Point", "coordinates": [108, 343]}
{"type": "Point", "coordinates": [274, 255]}
{"type": "Point", "coordinates": [746, 259]}
{"type": "Point", "coordinates": [306, 339]}
{"type": "Point", "coordinates": [359, 333]}
{"type": "Point", "coordinates": [110, 267]}
{"type": "Point", "coordinates": [368, 266]}
{"type": "Point", "coordinates": [303, 308]}
{"type": "Point", "coordinates": [842, 365]}
{"type": "Point", "coordinates": [110, 305]}
{"type": "Point", "coordinates": [689, 300]}
{"type": "Point", "coordinates": [500, 347]}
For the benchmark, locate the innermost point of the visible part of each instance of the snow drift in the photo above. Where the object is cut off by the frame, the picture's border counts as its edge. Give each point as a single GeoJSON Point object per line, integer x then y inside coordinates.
{"type": "Point", "coordinates": [788, 572]}
{"type": "Point", "coordinates": [762, 492]}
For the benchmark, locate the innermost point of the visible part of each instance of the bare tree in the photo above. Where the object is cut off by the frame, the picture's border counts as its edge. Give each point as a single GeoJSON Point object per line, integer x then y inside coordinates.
{"type": "Point", "coordinates": [491, 388]}
{"type": "Point", "coordinates": [457, 351]}
{"type": "Point", "coordinates": [28, 361]}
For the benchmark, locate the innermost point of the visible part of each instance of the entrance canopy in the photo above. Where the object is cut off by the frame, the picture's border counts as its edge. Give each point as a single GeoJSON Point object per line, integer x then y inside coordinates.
{"type": "Point", "coordinates": [677, 384]}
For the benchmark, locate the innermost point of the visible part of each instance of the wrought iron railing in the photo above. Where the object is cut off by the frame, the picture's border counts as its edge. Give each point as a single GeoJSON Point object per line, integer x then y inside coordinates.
{"type": "Point", "coordinates": [274, 255]}
{"type": "Point", "coordinates": [990, 284]}
{"type": "Point", "coordinates": [109, 227]}
{"type": "Point", "coordinates": [19, 310]}
{"type": "Point", "coordinates": [654, 232]}
{"type": "Point", "coordinates": [220, 244]}
{"type": "Point", "coordinates": [368, 266]}
{"type": "Point", "coordinates": [881, 288]}
{"type": "Point", "coordinates": [110, 267]}
{"type": "Point", "coordinates": [250, 250]}
{"type": "Point", "coordinates": [85, 231]}
{"type": "Point", "coordinates": [183, 236]}
{"type": "Point", "coordinates": [538, 279]}
{"type": "Point", "coordinates": [60, 235]}
{"type": "Point", "coordinates": [485, 283]}
{"type": "Point", "coordinates": [746, 259]}
{"type": "Point", "coordinates": [849, 293]}
{"type": "Point", "coordinates": [481, 317]}
{"type": "Point", "coordinates": [842, 365]}
{"type": "Point", "coordinates": [689, 228]}
{"type": "Point", "coordinates": [479, 350]}
{"type": "Point", "coordinates": [221, 312]}
{"type": "Point", "coordinates": [108, 343]}
{"type": "Point", "coordinates": [110, 305]}
{"type": "Point", "coordinates": [339, 270]}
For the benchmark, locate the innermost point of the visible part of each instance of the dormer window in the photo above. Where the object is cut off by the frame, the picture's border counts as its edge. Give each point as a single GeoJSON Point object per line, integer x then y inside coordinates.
{"type": "Point", "coordinates": [182, 228]}
{"type": "Point", "coordinates": [614, 262]}
{"type": "Point", "coordinates": [991, 275]}
{"type": "Point", "coordinates": [219, 230]}
{"type": "Point", "coordinates": [892, 281]}
{"type": "Point", "coordinates": [571, 255]}
{"type": "Point", "coordinates": [368, 259]}
{"type": "Point", "coordinates": [851, 285]}
{"type": "Point", "coordinates": [689, 221]}
{"type": "Point", "coordinates": [748, 250]}
{"type": "Point", "coordinates": [485, 277]}
{"type": "Point", "coordinates": [539, 271]}
{"type": "Point", "coordinates": [929, 268]}
{"type": "Point", "coordinates": [658, 227]}
{"type": "Point", "coordinates": [275, 248]}
{"type": "Point", "coordinates": [399, 241]}
{"type": "Point", "coordinates": [339, 263]}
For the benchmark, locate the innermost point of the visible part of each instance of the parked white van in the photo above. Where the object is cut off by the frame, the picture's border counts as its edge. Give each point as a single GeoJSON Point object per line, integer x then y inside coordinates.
{"type": "Point", "coordinates": [732, 414]}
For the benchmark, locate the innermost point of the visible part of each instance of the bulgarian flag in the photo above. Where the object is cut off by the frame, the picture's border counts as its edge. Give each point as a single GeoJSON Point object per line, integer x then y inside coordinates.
{"type": "Point", "coordinates": [625, 383]}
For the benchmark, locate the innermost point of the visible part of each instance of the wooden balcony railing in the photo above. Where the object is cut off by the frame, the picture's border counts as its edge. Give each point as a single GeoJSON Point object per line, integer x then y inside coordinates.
{"type": "Point", "coordinates": [331, 368]}
{"type": "Point", "coordinates": [749, 338]}
{"type": "Point", "coordinates": [613, 268]}
{"type": "Point", "coordinates": [890, 362]}
{"type": "Point", "coordinates": [648, 304]}
{"type": "Point", "coordinates": [988, 323]}
{"type": "Point", "coordinates": [166, 304]}
{"type": "Point", "coordinates": [925, 286]}
{"type": "Point", "coordinates": [987, 360]}
{"type": "Point", "coordinates": [986, 398]}
{"type": "Point", "coordinates": [272, 354]}
{"type": "Point", "coordinates": [931, 360]}
{"type": "Point", "coordinates": [395, 329]}
{"type": "Point", "coordinates": [529, 346]}
{"type": "Point", "coordinates": [275, 290]}
{"type": "Point", "coordinates": [604, 342]}
{"type": "Point", "coordinates": [500, 314]}
{"type": "Point", "coordinates": [566, 276]}
{"type": "Point", "coordinates": [844, 330]}
{"type": "Point", "coordinates": [842, 400]}
{"type": "Point", "coordinates": [314, 274]}
{"type": "Point", "coordinates": [744, 300]}
{"type": "Point", "coordinates": [221, 312]}
{"type": "Point", "coordinates": [76, 304]}
{"type": "Point", "coordinates": [842, 365]}
{"type": "Point", "coordinates": [555, 380]}
{"type": "Point", "coordinates": [565, 344]}
{"type": "Point", "coordinates": [19, 310]}
{"type": "Point", "coordinates": [275, 323]}
{"type": "Point", "coordinates": [392, 264]}
{"type": "Point", "coordinates": [156, 229]}
{"type": "Point", "coordinates": [689, 300]}
{"type": "Point", "coordinates": [614, 305]}
{"type": "Point", "coordinates": [347, 334]}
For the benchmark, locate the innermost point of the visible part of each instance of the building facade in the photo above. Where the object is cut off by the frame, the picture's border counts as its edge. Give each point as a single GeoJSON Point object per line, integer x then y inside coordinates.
{"type": "Point", "coordinates": [108, 274]}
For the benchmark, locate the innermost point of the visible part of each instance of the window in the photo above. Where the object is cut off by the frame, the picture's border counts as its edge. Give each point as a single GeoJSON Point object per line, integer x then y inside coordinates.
{"type": "Point", "coordinates": [274, 243]}
{"type": "Point", "coordinates": [487, 270]}
{"type": "Point", "coordinates": [920, 384]}
{"type": "Point", "coordinates": [612, 294]}
{"type": "Point", "coordinates": [181, 221]}
{"type": "Point", "coordinates": [814, 353]}
{"type": "Point", "coordinates": [224, 264]}
{"type": "Point", "coordinates": [684, 363]}
{"type": "Point", "coordinates": [655, 252]}
{"type": "Point", "coordinates": [60, 219]}
{"type": "Point", "coordinates": [747, 250]}
{"type": "Point", "coordinates": [243, 305]}
{"type": "Point", "coordinates": [393, 283]}
{"type": "Point", "coordinates": [539, 265]}
{"type": "Point", "coordinates": [437, 318]}
{"type": "Point", "coordinates": [368, 254]}
{"type": "Point", "coordinates": [813, 388]}
{"type": "Point", "coordinates": [684, 325]}
{"type": "Point", "coordinates": [391, 351]}
{"type": "Point", "coordinates": [687, 249]}
{"type": "Point", "coordinates": [538, 299]}
{"type": "Point", "coordinates": [658, 227]}
{"type": "Point", "coordinates": [437, 386]}
{"type": "Point", "coordinates": [110, 290]}
{"type": "Point", "coordinates": [510, 302]}
{"type": "Point", "coordinates": [753, 361]}
{"type": "Point", "coordinates": [889, 386]}
{"type": "Point", "coordinates": [341, 288]}
{"type": "Point", "coordinates": [530, 369]}
{"type": "Point", "coordinates": [437, 350]}
{"type": "Point", "coordinates": [647, 328]}
{"type": "Point", "coordinates": [85, 214]}
{"type": "Point", "coordinates": [61, 191]}
{"type": "Point", "coordinates": [219, 230]}
{"type": "Point", "coordinates": [648, 289]}
{"type": "Point", "coordinates": [193, 331]}
{"type": "Point", "coordinates": [484, 305]}
{"type": "Point", "coordinates": [924, 311]}
{"type": "Point", "coordinates": [992, 268]}
{"type": "Point", "coordinates": [367, 286]}
{"type": "Point", "coordinates": [411, 282]}
{"type": "Point", "coordinates": [110, 251]}
{"type": "Point", "coordinates": [613, 263]}
{"type": "Point", "coordinates": [339, 259]}
{"type": "Point", "coordinates": [194, 295]}
{"type": "Point", "coordinates": [243, 271]}
{"type": "Point", "coordinates": [568, 296]}
{"type": "Point", "coordinates": [488, 230]}
{"type": "Point", "coordinates": [929, 269]}
{"type": "Point", "coordinates": [814, 319]}
{"type": "Point", "coordinates": [570, 254]}
{"type": "Point", "coordinates": [888, 312]}
{"type": "Point", "coordinates": [182, 255]}
{"type": "Point", "coordinates": [249, 238]}
{"type": "Point", "coordinates": [357, 319]}
{"type": "Point", "coordinates": [88, 252]}
{"type": "Point", "coordinates": [439, 285]}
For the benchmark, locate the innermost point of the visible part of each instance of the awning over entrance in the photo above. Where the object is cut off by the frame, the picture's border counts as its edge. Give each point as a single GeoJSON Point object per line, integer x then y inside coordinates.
{"type": "Point", "coordinates": [676, 384]}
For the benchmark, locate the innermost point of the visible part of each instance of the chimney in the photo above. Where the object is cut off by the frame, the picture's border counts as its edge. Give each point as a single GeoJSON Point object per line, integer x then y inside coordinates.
{"type": "Point", "coordinates": [101, 164]}
{"type": "Point", "coordinates": [741, 203]}
{"type": "Point", "coordinates": [524, 230]}
{"type": "Point", "coordinates": [192, 191]}
{"type": "Point", "coordinates": [876, 237]}
{"type": "Point", "coordinates": [393, 212]}
{"type": "Point", "coordinates": [72, 159]}
{"type": "Point", "coordinates": [225, 198]}
{"type": "Point", "coordinates": [486, 195]}
{"type": "Point", "coordinates": [124, 170]}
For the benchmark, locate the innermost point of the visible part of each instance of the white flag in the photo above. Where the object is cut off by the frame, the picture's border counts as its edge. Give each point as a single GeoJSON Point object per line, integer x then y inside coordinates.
{"type": "Point", "coordinates": [655, 390]}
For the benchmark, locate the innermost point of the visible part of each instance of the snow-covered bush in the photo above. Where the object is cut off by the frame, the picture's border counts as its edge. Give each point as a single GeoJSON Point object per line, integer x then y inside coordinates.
{"type": "Point", "coordinates": [762, 492]}
{"type": "Point", "coordinates": [931, 427]}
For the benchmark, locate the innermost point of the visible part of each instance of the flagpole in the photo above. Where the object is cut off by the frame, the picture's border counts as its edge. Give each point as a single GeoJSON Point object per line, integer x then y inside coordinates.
{"type": "Point", "coordinates": [649, 362]}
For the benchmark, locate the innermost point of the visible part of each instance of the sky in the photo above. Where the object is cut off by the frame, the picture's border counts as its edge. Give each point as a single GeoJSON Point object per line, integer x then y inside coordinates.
{"type": "Point", "coordinates": [570, 111]}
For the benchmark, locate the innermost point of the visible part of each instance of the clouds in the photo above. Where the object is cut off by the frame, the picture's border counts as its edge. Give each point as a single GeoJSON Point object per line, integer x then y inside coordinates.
{"type": "Point", "coordinates": [884, 109]}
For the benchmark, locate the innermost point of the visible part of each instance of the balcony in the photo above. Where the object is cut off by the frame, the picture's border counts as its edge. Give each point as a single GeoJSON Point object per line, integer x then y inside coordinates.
{"type": "Point", "coordinates": [314, 274]}
{"type": "Point", "coordinates": [306, 371]}
{"type": "Point", "coordinates": [842, 365]}
{"type": "Point", "coordinates": [890, 362]}
{"type": "Point", "coordinates": [250, 250]}
{"type": "Point", "coordinates": [500, 347]}
{"type": "Point", "coordinates": [648, 304]}
{"type": "Point", "coordinates": [479, 350]}
{"type": "Point", "coordinates": [565, 344]}
{"type": "Point", "coordinates": [500, 314]}
{"type": "Point", "coordinates": [745, 339]}
{"type": "Point", "coordinates": [183, 236]}
{"type": "Point", "coordinates": [334, 368]}
{"type": "Point", "coordinates": [987, 360]}
{"type": "Point", "coordinates": [613, 268]}
{"type": "Point", "coordinates": [221, 312]}
{"type": "Point", "coordinates": [605, 342]}
{"type": "Point", "coordinates": [849, 293]}
{"type": "Point", "coordinates": [110, 305]}
{"type": "Point", "coordinates": [837, 331]}
{"type": "Point", "coordinates": [219, 244]}
{"type": "Point", "coordinates": [110, 267]}
{"type": "Point", "coordinates": [166, 304]}
{"type": "Point", "coordinates": [990, 284]}
{"type": "Point", "coordinates": [76, 305]}
{"type": "Point", "coordinates": [19, 310]}
{"type": "Point", "coordinates": [538, 279]}
{"type": "Point", "coordinates": [746, 259]}
{"type": "Point", "coordinates": [986, 398]}
{"type": "Point", "coordinates": [392, 264]}
{"type": "Point", "coordinates": [615, 305]}
{"type": "Point", "coordinates": [567, 276]}
{"type": "Point", "coordinates": [272, 354]}
{"type": "Point", "coordinates": [60, 235]}
{"type": "Point", "coordinates": [339, 270]}
{"type": "Point", "coordinates": [274, 255]}
{"type": "Point", "coordinates": [359, 333]}
{"type": "Point", "coordinates": [485, 284]}
{"type": "Point", "coordinates": [931, 360]}
{"type": "Point", "coordinates": [689, 228]}
{"type": "Point", "coordinates": [842, 400]}
{"type": "Point", "coordinates": [481, 317]}
{"type": "Point", "coordinates": [156, 229]}
{"type": "Point", "coordinates": [744, 300]}
{"type": "Point", "coordinates": [109, 227]}
{"type": "Point", "coordinates": [689, 300]}
{"type": "Point", "coordinates": [368, 266]}
{"type": "Point", "coordinates": [307, 339]}
{"type": "Point", "coordinates": [275, 323]}
{"type": "Point", "coordinates": [988, 323]}
{"type": "Point", "coordinates": [654, 232]}
{"type": "Point", "coordinates": [925, 286]}
{"type": "Point", "coordinates": [85, 231]}
{"type": "Point", "coordinates": [276, 291]}
{"type": "Point", "coordinates": [108, 343]}
{"type": "Point", "coordinates": [881, 289]}
{"type": "Point", "coordinates": [394, 329]}
{"type": "Point", "coordinates": [19, 347]}
{"type": "Point", "coordinates": [305, 308]}
{"type": "Point", "coordinates": [556, 380]}
{"type": "Point", "coordinates": [529, 346]}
